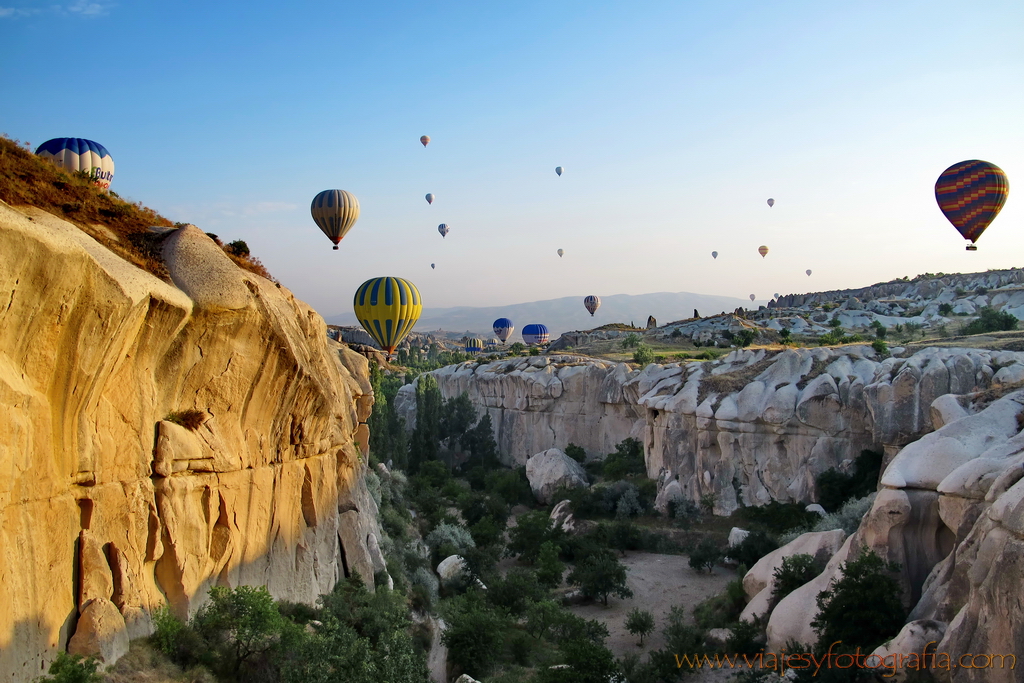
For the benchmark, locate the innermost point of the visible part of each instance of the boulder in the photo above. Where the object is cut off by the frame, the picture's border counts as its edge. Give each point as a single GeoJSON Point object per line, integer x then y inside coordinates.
{"type": "Point", "coordinates": [450, 567]}
{"type": "Point", "coordinates": [814, 507]}
{"type": "Point", "coordinates": [917, 636]}
{"type": "Point", "coordinates": [716, 638]}
{"type": "Point", "coordinates": [101, 632]}
{"type": "Point", "coordinates": [671, 492]}
{"type": "Point", "coordinates": [551, 470]}
{"type": "Point", "coordinates": [737, 536]}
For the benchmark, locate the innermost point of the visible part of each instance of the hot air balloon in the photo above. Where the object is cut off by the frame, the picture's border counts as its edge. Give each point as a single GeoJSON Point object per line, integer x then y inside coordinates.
{"type": "Point", "coordinates": [762, 250]}
{"type": "Point", "coordinates": [430, 198]}
{"type": "Point", "coordinates": [76, 154]}
{"type": "Point", "coordinates": [751, 297]}
{"type": "Point", "coordinates": [560, 252]}
{"type": "Point", "coordinates": [387, 308]}
{"type": "Point", "coordinates": [425, 139]}
{"type": "Point", "coordinates": [443, 229]}
{"type": "Point", "coordinates": [771, 202]}
{"type": "Point", "coordinates": [335, 211]}
{"type": "Point", "coordinates": [776, 296]}
{"type": "Point", "coordinates": [970, 194]}
{"type": "Point", "coordinates": [503, 328]}
{"type": "Point", "coordinates": [535, 334]}
{"type": "Point", "coordinates": [431, 266]}
{"type": "Point", "coordinates": [474, 345]}
{"type": "Point", "coordinates": [592, 303]}
{"type": "Point", "coordinates": [714, 254]}
{"type": "Point", "coordinates": [808, 271]}
{"type": "Point", "coordinates": [558, 170]}
{"type": "Point", "coordinates": [492, 343]}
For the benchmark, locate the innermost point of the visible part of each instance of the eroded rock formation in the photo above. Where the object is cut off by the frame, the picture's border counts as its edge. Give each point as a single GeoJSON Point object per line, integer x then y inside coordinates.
{"type": "Point", "coordinates": [108, 509]}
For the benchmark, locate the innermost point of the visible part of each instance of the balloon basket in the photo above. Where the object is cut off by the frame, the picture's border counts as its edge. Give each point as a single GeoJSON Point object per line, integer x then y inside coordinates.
{"type": "Point", "coordinates": [972, 247]}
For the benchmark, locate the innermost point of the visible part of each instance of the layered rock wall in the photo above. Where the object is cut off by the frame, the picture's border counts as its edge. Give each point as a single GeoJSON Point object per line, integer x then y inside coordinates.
{"type": "Point", "coordinates": [103, 501]}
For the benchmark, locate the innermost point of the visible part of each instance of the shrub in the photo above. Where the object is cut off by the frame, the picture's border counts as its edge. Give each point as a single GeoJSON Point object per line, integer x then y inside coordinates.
{"type": "Point", "coordinates": [189, 419]}
{"type": "Point", "coordinates": [631, 340]}
{"type": "Point", "coordinates": [511, 485]}
{"type": "Point", "coordinates": [577, 453]}
{"type": "Point", "coordinates": [945, 309]}
{"type": "Point", "coordinates": [835, 488]}
{"type": "Point", "coordinates": [785, 334]}
{"type": "Point", "coordinates": [778, 517]}
{"type": "Point", "coordinates": [599, 576]}
{"type": "Point", "coordinates": [756, 545]}
{"type": "Point", "coordinates": [685, 512]}
{"type": "Point", "coordinates": [450, 537]}
{"type": "Point", "coordinates": [745, 337]}
{"type": "Point", "coordinates": [550, 569]}
{"type": "Point", "coordinates": [239, 248]}
{"type": "Point", "coordinates": [722, 610]}
{"type": "Point", "coordinates": [744, 638]}
{"type": "Point", "coordinates": [72, 669]}
{"type": "Point", "coordinates": [627, 459]}
{"type": "Point", "coordinates": [240, 627]}
{"type": "Point", "coordinates": [795, 571]}
{"type": "Point", "coordinates": [864, 607]}
{"type": "Point", "coordinates": [534, 351]}
{"type": "Point", "coordinates": [640, 623]}
{"type": "Point", "coordinates": [516, 591]}
{"type": "Point", "coordinates": [990, 320]}
{"type": "Point", "coordinates": [705, 555]}
{"type": "Point", "coordinates": [530, 532]}
{"type": "Point", "coordinates": [628, 505]}
{"type": "Point", "coordinates": [880, 346]}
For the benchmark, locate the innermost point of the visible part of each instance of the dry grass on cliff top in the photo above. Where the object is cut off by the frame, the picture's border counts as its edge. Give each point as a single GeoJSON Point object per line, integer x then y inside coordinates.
{"type": "Point", "coordinates": [121, 226]}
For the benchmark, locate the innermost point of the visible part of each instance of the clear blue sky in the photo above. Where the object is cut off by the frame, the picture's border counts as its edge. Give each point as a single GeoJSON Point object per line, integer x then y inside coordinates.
{"type": "Point", "coordinates": [675, 122]}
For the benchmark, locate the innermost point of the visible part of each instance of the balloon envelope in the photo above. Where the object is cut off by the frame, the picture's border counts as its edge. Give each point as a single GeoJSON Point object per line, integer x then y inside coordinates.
{"type": "Point", "coordinates": [776, 295]}
{"type": "Point", "coordinates": [558, 170]}
{"type": "Point", "coordinates": [751, 297]}
{"type": "Point", "coordinates": [592, 303]}
{"type": "Point", "coordinates": [535, 334]}
{"type": "Point", "coordinates": [503, 328]}
{"type": "Point", "coordinates": [762, 250]}
{"type": "Point", "coordinates": [78, 154]}
{"type": "Point", "coordinates": [430, 198]}
{"type": "Point", "coordinates": [474, 345]}
{"type": "Point", "coordinates": [387, 308]}
{"type": "Point", "coordinates": [443, 229]}
{"type": "Point", "coordinates": [808, 271]}
{"type": "Point", "coordinates": [971, 194]}
{"type": "Point", "coordinates": [714, 254]}
{"type": "Point", "coordinates": [771, 202]}
{"type": "Point", "coordinates": [431, 266]}
{"type": "Point", "coordinates": [560, 252]}
{"type": "Point", "coordinates": [425, 139]}
{"type": "Point", "coordinates": [335, 212]}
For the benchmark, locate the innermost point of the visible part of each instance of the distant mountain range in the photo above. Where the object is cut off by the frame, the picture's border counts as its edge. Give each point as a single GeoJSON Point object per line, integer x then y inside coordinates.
{"type": "Point", "coordinates": [567, 313]}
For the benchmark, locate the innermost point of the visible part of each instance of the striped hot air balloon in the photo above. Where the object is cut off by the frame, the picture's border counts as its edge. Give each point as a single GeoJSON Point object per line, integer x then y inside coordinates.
{"type": "Point", "coordinates": [335, 212]}
{"type": "Point", "coordinates": [762, 250]}
{"type": "Point", "coordinates": [387, 308]}
{"type": "Point", "coordinates": [503, 329]}
{"type": "Point", "coordinates": [535, 334]}
{"type": "Point", "coordinates": [971, 194]}
{"type": "Point", "coordinates": [425, 139]}
{"type": "Point", "coordinates": [592, 303]}
{"type": "Point", "coordinates": [474, 345]}
{"type": "Point", "coordinates": [493, 342]}
{"type": "Point", "coordinates": [78, 154]}
{"type": "Point", "coordinates": [443, 229]}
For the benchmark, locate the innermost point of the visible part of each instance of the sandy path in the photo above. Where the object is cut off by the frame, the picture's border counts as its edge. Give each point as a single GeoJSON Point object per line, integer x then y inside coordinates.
{"type": "Point", "coordinates": [658, 582]}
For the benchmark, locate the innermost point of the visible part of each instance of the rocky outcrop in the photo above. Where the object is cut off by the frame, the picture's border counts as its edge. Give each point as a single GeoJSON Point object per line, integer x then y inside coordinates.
{"type": "Point", "coordinates": [108, 508]}
{"type": "Point", "coordinates": [752, 427]}
{"type": "Point", "coordinates": [552, 470]}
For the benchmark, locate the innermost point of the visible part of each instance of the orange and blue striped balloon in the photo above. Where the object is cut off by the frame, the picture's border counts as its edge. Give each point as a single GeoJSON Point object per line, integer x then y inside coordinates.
{"type": "Point", "coordinates": [970, 194]}
{"type": "Point", "coordinates": [387, 308]}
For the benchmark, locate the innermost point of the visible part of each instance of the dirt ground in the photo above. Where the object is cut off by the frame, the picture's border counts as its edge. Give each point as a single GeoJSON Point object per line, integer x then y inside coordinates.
{"type": "Point", "coordinates": [658, 582]}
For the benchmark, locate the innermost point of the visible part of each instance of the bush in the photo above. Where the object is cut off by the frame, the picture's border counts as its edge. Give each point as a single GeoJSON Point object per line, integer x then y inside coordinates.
{"type": "Point", "coordinates": [795, 571]}
{"type": "Point", "coordinates": [722, 610]}
{"type": "Point", "coordinates": [577, 453]}
{"type": "Point", "coordinates": [990, 320]}
{"type": "Point", "coordinates": [627, 459]}
{"type": "Point", "coordinates": [643, 355]}
{"type": "Point", "coordinates": [550, 569]}
{"type": "Point", "coordinates": [534, 351]}
{"type": "Point", "coordinates": [745, 337]}
{"type": "Point", "coordinates": [705, 555]}
{"type": "Point", "coordinates": [945, 309]}
{"type": "Point", "coordinates": [449, 539]}
{"type": "Point", "coordinates": [239, 248]}
{"type": "Point", "coordinates": [628, 505]}
{"type": "Point", "coordinates": [72, 669]}
{"type": "Point", "coordinates": [880, 346]}
{"type": "Point", "coordinates": [756, 545]}
{"type": "Point", "coordinates": [835, 488]}
{"type": "Point", "coordinates": [864, 607]}
{"type": "Point", "coordinates": [685, 512]}
{"type": "Point", "coordinates": [599, 576]}
{"type": "Point", "coordinates": [631, 340]}
{"type": "Point", "coordinates": [189, 419]}
{"type": "Point", "coordinates": [778, 517]}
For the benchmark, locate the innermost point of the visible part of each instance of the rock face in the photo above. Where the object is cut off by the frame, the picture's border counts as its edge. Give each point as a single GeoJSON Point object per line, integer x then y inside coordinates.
{"type": "Point", "coordinates": [95, 356]}
{"type": "Point", "coordinates": [551, 470]}
{"type": "Point", "coordinates": [752, 427]}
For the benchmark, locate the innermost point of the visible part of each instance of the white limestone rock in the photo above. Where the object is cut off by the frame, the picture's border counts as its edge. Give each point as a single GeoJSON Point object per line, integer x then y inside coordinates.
{"type": "Point", "coordinates": [552, 469]}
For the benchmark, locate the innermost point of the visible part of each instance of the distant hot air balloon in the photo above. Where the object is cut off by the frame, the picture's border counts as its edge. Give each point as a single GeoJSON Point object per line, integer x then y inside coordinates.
{"type": "Point", "coordinates": [430, 198]}
{"type": "Point", "coordinates": [751, 297]}
{"type": "Point", "coordinates": [491, 343]}
{"type": "Point", "coordinates": [503, 328]}
{"type": "Point", "coordinates": [560, 252]}
{"type": "Point", "coordinates": [808, 271]}
{"type": "Point", "coordinates": [535, 334]}
{"type": "Point", "coordinates": [771, 202]}
{"type": "Point", "coordinates": [776, 295]}
{"type": "Point", "coordinates": [432, 266]}
{"type": "Point", "coordinates": [474, 345]}
{"type": "Point", "coordinates": [970, 194]}
{"type": "Point", "coordinates": [443, 229]}
{"type": "Point", "coordinates": [558, 170]}
{"type": "Point", "coordinates": [592, 303]}
{"type": "Point", "coordinates": [762, 250]}
{"type": "Point", "coordinates": [387, 308]}
{"type": "Point", "coordinates": [335, 211]}
{"type": "Point", "coordinates": [425, 139]}
{"type": "Point", "coordinates": [76, 154]}
{"type": "Point", "coordinates": [714, 254]}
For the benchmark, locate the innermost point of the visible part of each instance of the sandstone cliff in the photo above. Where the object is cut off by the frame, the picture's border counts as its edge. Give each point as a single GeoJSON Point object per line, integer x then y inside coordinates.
{"type": "Point", "coordinates": [749, 428]}
{"type": "Point", "coordinates": [108, 510]}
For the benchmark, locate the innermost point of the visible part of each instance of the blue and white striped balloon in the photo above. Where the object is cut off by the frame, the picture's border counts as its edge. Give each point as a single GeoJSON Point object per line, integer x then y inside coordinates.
{"type": "Point", "coordinates": [503, 328]}
{"type": "Point", "coordinates": [77, 154]}
{"type": "Point", "coordinates": [536, 334]}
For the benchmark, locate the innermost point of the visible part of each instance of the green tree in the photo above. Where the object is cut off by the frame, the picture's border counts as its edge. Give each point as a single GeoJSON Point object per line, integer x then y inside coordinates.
{"type": "Point", "coordinates": [426, 435]}
{"type": "Point", "coordinates": [600, 575]}
{"type": "Point", "coordinates": [705, 556]}
{"type": "Point", "coordinates": [745, 337]}
{"type": "Point", "coordinates": [530, 532]}
{"type": "Point", "coordinates": [640, 623]}
{"type": "Point", "coordinates": [990, 320]}
{"type": "Point", "coordinates": [517, 348]}
{"type": "Point", "coordinates": [835, 324]}
{"type": "Point", "coordinates": [239, 626]}
{"type": "Point", "coordinates": [550, 568]}
{"type": "Point", "coordinates": [577, 453]}
{"type": "Point", "coordinates": [239, 248]}
{"type": "Point", "coordinates": [643, 355]}
{"type": "Point", "coordinates": [473, 635]}
{"type": "Point", "coordinates": [588, 662]}
{"type": "Point", "coordinates": [481, 444]}
{"type": "Point", "coordinates": [627, 459]}
{"type": "Point", "coordinates": [795, 571]}
{"type": "Point", "coordinates": [631, 341]}
{"type": "Point", "coordinates": [72, 669]}
{"type": "Point", "coordinates": [864, 607]}
{"type": "Point", "coordinates": [457, 417]}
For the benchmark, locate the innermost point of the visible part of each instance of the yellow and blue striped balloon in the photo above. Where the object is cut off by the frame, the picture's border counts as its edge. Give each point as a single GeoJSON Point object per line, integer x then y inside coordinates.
{"type": "Point", "coordinates": [474, 345]}
{"type": "Point", "coordinates": [335, 212]}
{"type": "Point", "coordinates": [387, 308]}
